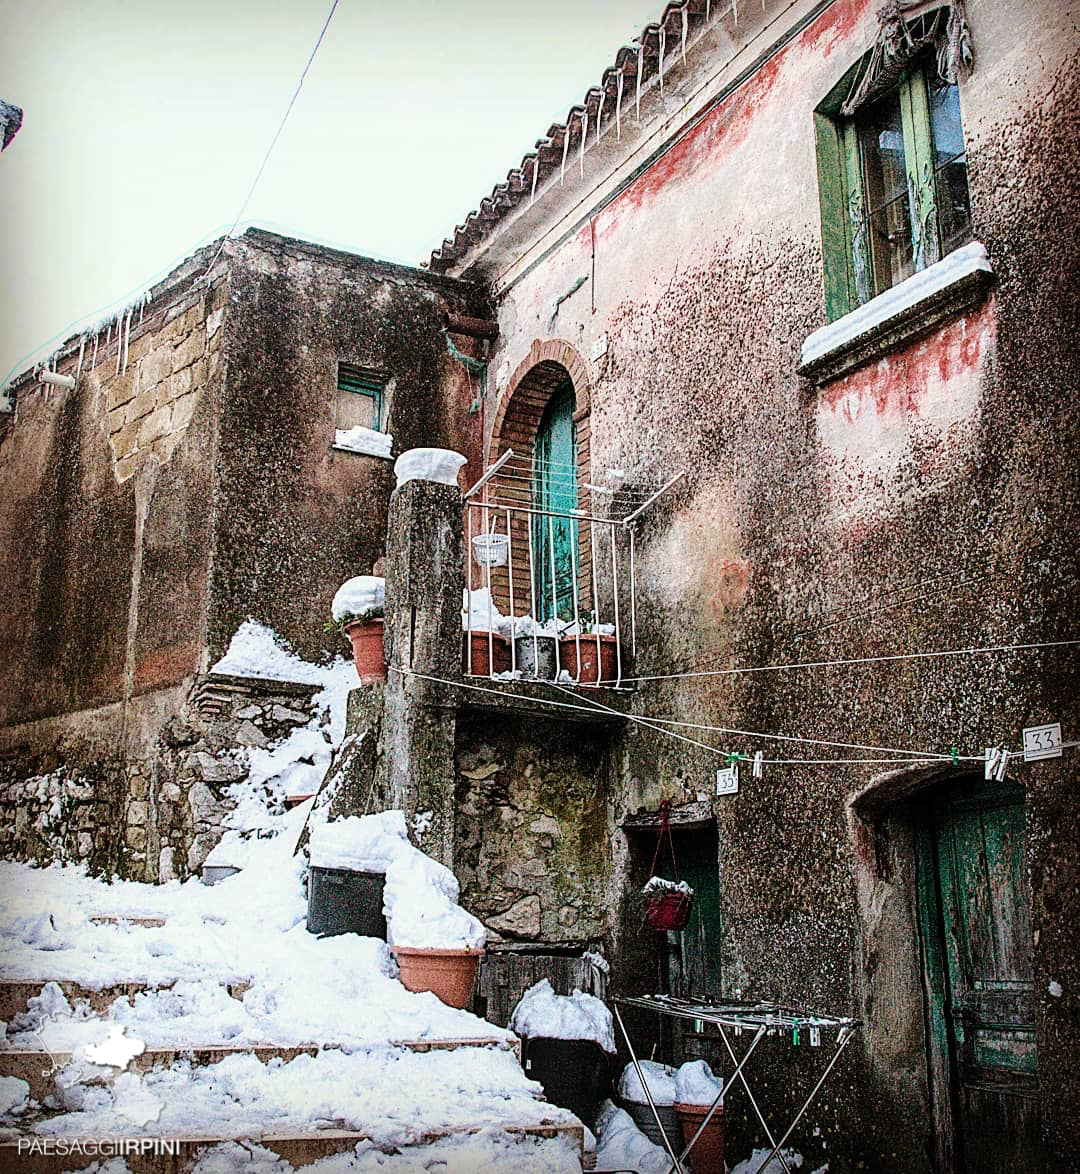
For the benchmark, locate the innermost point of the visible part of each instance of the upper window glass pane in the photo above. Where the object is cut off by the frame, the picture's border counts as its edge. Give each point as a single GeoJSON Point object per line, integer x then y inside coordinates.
{"type": "Point", "coordinates": [887, 219]}
{"type": "Point", "coordinates": [950, 166]}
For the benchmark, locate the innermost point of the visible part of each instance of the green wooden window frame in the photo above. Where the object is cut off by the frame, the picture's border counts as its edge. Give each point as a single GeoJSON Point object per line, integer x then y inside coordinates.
{"type": "Point", "coordinates": [368, 383]}
{"type": "Point", "coordinates": [848, 271]}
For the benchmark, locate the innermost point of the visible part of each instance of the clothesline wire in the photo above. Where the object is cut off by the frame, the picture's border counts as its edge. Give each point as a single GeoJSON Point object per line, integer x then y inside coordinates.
{"type": "Point", "coordinates": [853, 660]}
{"type": "Point", "coordinates": [277, 134]}
{"type": "Point", "coordinates": [912, 757]}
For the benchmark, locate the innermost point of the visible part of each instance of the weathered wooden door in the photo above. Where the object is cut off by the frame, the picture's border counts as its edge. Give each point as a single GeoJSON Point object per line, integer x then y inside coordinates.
{"type": "Point", "coordinates": [694, 952]}
{"type": "Point", "coordinates": [976, 931]}
{"type": "Point", "coordinates": [555, 491]}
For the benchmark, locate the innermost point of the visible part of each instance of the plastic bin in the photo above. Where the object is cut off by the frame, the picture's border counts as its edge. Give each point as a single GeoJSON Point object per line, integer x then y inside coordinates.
{"type": "Point", "coordinates": [644, 1120]}
{"type": "Point", "coordinates": [342, 901]}
{"type": "Point", "coordinates": [575, 1073]}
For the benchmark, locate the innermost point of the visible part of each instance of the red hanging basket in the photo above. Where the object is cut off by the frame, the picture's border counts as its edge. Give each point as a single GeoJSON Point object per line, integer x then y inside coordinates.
{"type": "Point", "coordinates": [667, 909]}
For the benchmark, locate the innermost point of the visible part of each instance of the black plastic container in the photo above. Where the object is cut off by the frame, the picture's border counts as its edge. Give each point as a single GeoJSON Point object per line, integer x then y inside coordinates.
{"type": "Point", "coordinates": [343, 901]}
{"type": "Point", "coordinates": [575, 1073]}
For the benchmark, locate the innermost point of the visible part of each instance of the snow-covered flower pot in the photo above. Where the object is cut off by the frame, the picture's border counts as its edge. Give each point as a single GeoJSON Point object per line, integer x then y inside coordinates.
{"type": "Point", "coordinates": [707, 1156]}
{"type": "Point", "coordinates": [660, 1079]}
{"type": "Point", "coordinates": [345, 900]}
{"type": "Point", "coordinates": [488, 656]}
{"type": "Point", "coordinates": [429, 464]}
{"type": "Point", "coordinates": [667, 904]}
{"type": "Point", "coordinates": [589, 659]}
{"type": "Point", "coordinates": [535, 656]}
{"type": "Point", "coordinates": [448, 974]}
{"type": "Point", "coordinates": [366, 637]}
{"type": "Point", "coordinates": [214, 874]}
{"type": "Point", "coordinates": [491, 550]}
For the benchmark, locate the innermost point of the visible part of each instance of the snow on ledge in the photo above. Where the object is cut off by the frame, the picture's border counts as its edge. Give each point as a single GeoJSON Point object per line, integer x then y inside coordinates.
{"type": "Point", "coordinates": [920, 287]}
{"type": "Point", "coordinates": [364, 440]}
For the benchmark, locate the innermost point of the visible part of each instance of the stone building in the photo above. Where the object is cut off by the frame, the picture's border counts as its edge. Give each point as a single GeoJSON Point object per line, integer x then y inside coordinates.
{"type": "Point", "coordinates": [776, 329]}
{"type": "Point", "coordinates": [175, 472]}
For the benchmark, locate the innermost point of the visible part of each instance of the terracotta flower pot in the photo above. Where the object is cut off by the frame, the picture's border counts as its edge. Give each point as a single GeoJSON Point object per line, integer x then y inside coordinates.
{"type": "Point", "coordinates": [483, 664]}
{"type": "Point", "coordinates": [448, 974]}
{"type": "Point", "coordinates": [367, 647]}
{"type": "Point", "coordinates": [707, 1156]}
{"type": "Point", "coordinates": [592, 668]}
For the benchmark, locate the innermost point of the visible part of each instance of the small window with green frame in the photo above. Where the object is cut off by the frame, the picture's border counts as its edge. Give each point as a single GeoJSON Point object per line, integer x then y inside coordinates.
{"type": "Point", "coordinates": [892, 179]}
{"type": "Point", "coordinates": [361, 398]}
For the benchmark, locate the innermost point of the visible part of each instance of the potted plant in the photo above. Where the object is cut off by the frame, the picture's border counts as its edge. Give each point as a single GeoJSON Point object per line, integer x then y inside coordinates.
{"type": "Point", "coordinates": [699, 1107]}
{"type": "Point", "coordinates": [667, 903]}
{"type": "Point", "coordinates": [590, 654]}
{"type": "Point", "coordinates": [357, 612]}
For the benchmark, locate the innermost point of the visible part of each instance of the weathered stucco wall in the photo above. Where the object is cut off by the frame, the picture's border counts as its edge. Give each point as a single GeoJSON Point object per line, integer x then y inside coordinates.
{"type": "Point", "coordinates": [924, 501]}
{"type": "Point", "coordinates": [295, 517]}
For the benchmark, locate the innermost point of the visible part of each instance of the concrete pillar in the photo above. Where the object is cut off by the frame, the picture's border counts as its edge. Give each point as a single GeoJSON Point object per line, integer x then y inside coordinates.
{"type": "Point", "coordinates": [424, 576]}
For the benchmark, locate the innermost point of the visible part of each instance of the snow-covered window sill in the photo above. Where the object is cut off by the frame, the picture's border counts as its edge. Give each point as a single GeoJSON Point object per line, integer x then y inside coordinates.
{"type": "Point", "coordinates": [898, 316]}
{"type": "Point", "coordinates": [364, 441]}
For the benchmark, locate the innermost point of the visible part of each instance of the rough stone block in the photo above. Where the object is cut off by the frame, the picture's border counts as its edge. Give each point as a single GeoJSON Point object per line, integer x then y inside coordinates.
{"type": "Point", "coordinates": [248, 734]}
{"type": "Point", "coordinates": [157, 365]}
{"type": "Point", "coordinates": [154, 426]}
{"type": "Point", "coordinates": [282, 713]}
{"type": "Point", "coordinates": [248, 713]}
{"type": "Point", "coordinates": [521, 920]}
{"type": "Point", "coordinates": [218, 770]}
{"type": "Point", "coordinates": [200, 372]}
{"type": "Point", "coordinates": [138, 811]}
{"type": "Point", "coordinates": [126, 466]}
{"type": "Point", "coordinates": [213, 322]}
{"type": "Point", "coordinates": [183, 409]}
{"type": "Point", "coordinates": [126, 439]}
{"type": "Point", "coordinates": [121, 390]}
{"type": "Point", "coordinates": [192, 348]}
{"type": "Point", "coordinates": [141, 405]}
{"type": "Point", "coordinates": [136, 838]}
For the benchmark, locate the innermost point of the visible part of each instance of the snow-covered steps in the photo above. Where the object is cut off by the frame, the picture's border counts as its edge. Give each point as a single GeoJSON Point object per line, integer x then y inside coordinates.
{"type": "Point", "coordinates": [393, 1098]}
{"type": "Point", "coordinates": [42, 1069]}
{"type": "Point", "coordinates": [539, 1149]}
{"type": "Point", "coordinates": [15, 994]}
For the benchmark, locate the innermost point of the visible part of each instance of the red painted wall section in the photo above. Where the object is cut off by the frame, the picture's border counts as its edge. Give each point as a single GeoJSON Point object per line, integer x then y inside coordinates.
{"type": "Point", "coordinates": [907, 422]}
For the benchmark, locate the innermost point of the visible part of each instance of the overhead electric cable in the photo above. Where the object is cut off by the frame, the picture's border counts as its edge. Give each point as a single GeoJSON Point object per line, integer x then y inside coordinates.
{"type": "Point", "coordinates": [277, 134]}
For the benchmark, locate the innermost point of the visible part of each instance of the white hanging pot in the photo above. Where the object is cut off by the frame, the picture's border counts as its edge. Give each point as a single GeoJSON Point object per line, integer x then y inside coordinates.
{"type": "Point", "coordinates": [491, 550]}
{"type": "Point", "coordinates": [429, 464]}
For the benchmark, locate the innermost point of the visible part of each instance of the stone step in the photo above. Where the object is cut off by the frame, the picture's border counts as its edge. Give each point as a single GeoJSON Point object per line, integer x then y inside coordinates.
{"type": "Point", "coordinates": [298, 1149]}
{"type": "Point", "coordinates": [38, 1068]}
{"type": "Point", "coordinates": [14, 993]}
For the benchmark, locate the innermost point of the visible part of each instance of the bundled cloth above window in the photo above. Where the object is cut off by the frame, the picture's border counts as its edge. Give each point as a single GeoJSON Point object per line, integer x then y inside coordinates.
{"type": "Point", "coordinates": [905, 29]}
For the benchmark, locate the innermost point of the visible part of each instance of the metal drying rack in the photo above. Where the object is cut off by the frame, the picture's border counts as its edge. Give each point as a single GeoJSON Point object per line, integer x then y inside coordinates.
{"type": "Point", "coordinates": [760, 1018]}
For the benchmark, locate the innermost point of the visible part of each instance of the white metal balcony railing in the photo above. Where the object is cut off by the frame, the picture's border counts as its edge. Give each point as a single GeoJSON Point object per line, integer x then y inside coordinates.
{"type": "Point", "coordinates": [550, 589]}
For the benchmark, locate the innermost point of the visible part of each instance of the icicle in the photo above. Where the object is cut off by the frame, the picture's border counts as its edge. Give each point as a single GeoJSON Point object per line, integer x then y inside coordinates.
{"type": "Point", "coordinates": [119, 344]}
{"type": "Point", "coordinates": [660, 66]}
{"type": "Point", "coordinates": [536, 175]}
{"type": "Point", "coordinates": [600, 109]}
{"type": "Point", "coordinates": [618, 105]}
{"type": "Point", "coordinates": [735, 11]}
{"type": "Point", "coordinates": [82, 351]}
{"type": "Point", "coordinates": [640, 66]}
{"type": "Point", "coordinates": [565, 148]}
{"type": "Point", "coordinates": [127, 338]}
{"type": "Point", "coordinates": [685, 28]}
{"type": "Point", "coordinates": [581, 145]}
{"type": "Point", "coordinates": [708, 5]}
{"type": "Point", "coordinates": [93, 361]}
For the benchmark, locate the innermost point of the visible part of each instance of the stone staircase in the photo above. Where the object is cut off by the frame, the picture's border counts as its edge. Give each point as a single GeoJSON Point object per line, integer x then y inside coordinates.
{"type": "Point", "coordinates": [529, 1123]}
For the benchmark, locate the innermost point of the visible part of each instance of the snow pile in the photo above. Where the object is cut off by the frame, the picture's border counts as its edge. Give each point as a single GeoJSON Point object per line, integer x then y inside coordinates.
{"type": "Point", "coordinates": [543, 1013]}
{"type": "Point", "coordinates": [294, 766]}
{"type": "Point", "coordinates": [622, 1146]}
{"type": "Point", "coordinates": [429, 464]}
{"type": "Point", "coordinates": [695, 1084]}
{"type": "Point", "coordinates": [659, 884]}
{"type": "Point", "coordinates": [488, 1150]}
{"type": "Point", "coordinates": [755, 1164]}
{"type": "Point", "coordinates": [14, 1096]}
{"type": "Point", "coordinates": [359, 595]}
{"type": "Point", "coordinates": [250, 928]}
{"type": "Point", "coordinates": [364, 440]}
{"type": "Point", "coordinates": [395, 1096]}
{"type": "Point", "coordinates": [480, 613]}
{"type": "Point", "coordinates": [421, 895]}
{"type": "Point", "coordinates": [659, 1078]}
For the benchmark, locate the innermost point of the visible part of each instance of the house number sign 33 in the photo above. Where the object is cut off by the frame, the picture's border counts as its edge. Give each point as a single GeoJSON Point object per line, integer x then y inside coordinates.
{"type": "Point", "coordinates": [1042, 742]}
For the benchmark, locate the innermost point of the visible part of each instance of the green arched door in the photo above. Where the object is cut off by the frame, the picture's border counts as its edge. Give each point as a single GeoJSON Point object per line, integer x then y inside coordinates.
{"type": "Point", "coordinates": [555, 492]}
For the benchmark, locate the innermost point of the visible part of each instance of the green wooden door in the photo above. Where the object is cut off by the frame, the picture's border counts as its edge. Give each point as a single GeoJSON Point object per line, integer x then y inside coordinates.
{"type": "Point", "coordinates": [976, 924]}
{"type": "Point", "coordinates": [555, 491]}
{"type": "Point", "coordinates": [694, 952]}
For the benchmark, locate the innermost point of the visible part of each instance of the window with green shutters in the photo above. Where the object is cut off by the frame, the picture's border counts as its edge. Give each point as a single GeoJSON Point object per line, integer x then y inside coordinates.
{"type": "Point", "coordinates": [892, 179]}
{"type": "Point", "coordinates": [360, 399]}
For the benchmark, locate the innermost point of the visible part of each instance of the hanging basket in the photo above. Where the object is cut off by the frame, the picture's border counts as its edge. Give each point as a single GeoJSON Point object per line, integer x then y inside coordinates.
{"type": "Point", "coordinates": [667, 911]}
{"type": "Point", "coordinates": [667, 903]}
{"type": "Point", "coordinates": [491, 550]}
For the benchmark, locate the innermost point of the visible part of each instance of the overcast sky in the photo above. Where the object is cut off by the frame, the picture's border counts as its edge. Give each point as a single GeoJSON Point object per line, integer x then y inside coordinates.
{"type": "Point", "coordinates": [145, 124]}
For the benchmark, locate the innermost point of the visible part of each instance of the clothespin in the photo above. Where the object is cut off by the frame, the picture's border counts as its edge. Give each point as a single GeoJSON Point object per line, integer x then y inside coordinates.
{"type": "Point", "coordinates": [993, 756]}
{"type": "Point", "coordinates": [954, 754]}
{"type": "Point", "coordinates": [1003, 765]}
{"type": "Point", "coordinates": [815, 1037]}
{"type": "Point", "coordinates": [731, 759]}
{"type": "Point", "coordinates": [759, 768]}
{"type": "Point", "coordinates": [795, 1034]}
